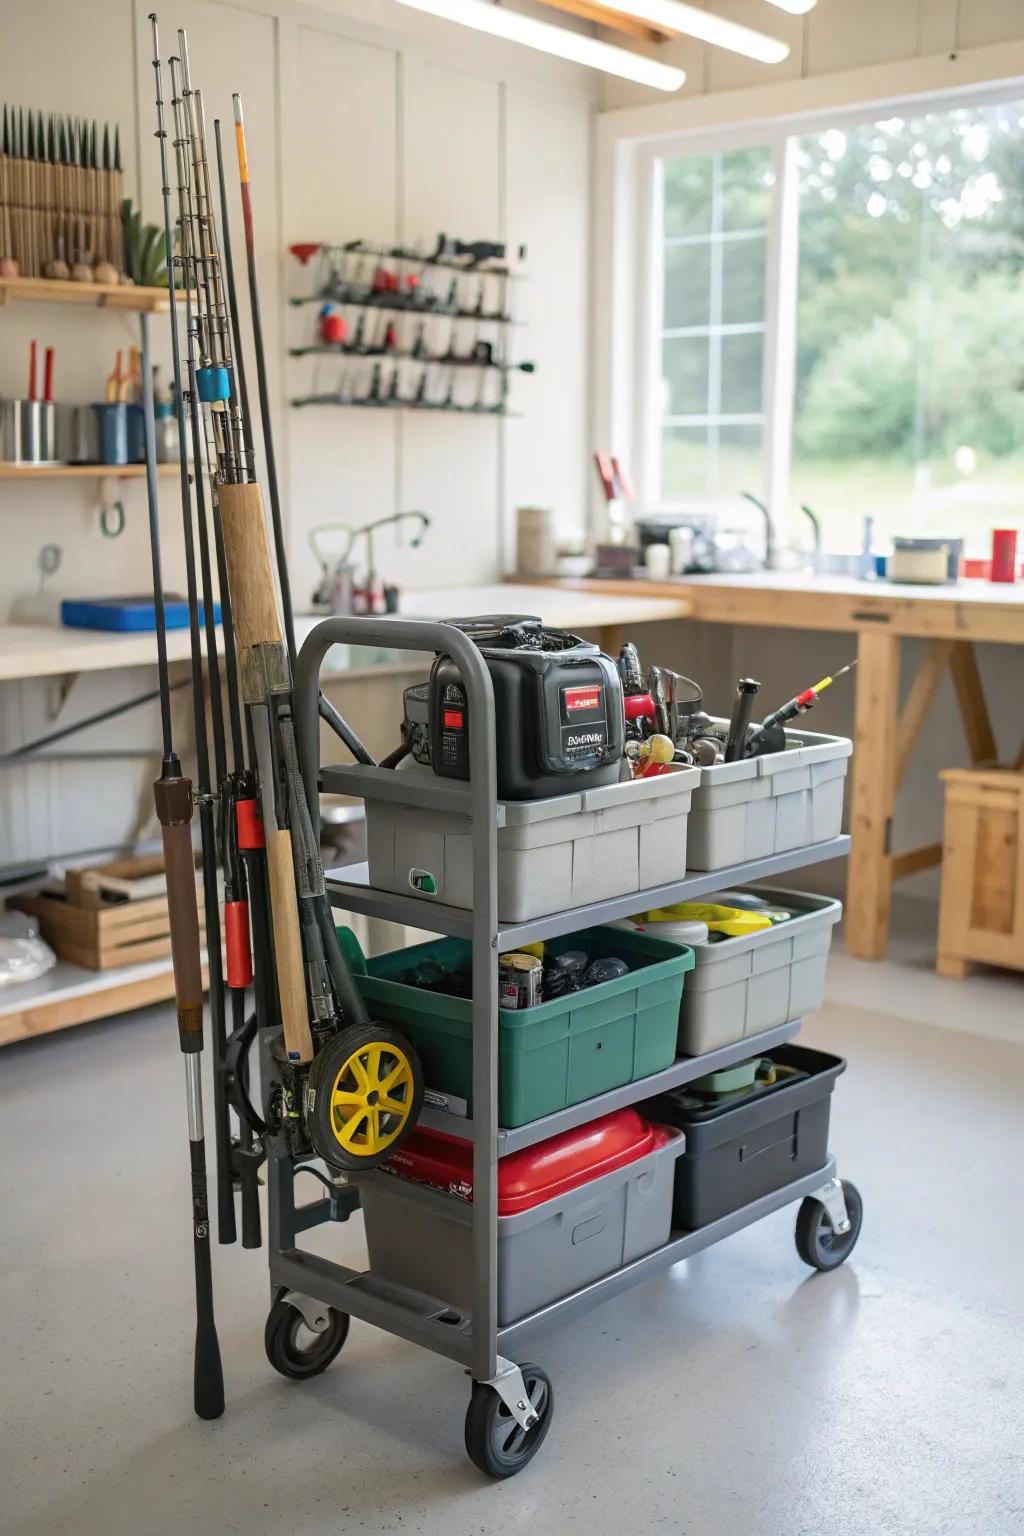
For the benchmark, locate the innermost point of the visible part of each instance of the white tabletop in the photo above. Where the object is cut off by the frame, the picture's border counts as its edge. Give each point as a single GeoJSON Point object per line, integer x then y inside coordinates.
{"type": "Point", "coordinates": [35, 650]}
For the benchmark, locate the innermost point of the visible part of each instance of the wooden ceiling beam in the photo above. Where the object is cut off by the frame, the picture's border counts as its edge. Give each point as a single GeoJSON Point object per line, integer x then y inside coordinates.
{"type": "Point", "coordinates": [608, 16]}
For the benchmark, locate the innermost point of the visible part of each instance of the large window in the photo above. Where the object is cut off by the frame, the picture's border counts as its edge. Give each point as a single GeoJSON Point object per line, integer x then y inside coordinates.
{"type": "Point", "coordinates": [841, 323]}
{"type": "Point", "coordinates": [715, 214]}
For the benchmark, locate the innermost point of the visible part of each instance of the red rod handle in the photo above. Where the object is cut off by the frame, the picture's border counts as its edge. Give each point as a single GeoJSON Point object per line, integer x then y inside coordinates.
{"type": "Point", "coordinates": [48, 375]}
{"type": "Point", "coordinates": [249, 819]}
{"type": "Point", "coordinates": [236, 941]}
{"type": "Point", "coordinates": [32, 349]}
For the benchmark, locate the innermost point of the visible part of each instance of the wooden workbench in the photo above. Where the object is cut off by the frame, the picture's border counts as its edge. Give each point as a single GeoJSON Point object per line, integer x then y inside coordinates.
{"type": "Point", "coordinates": [881, 615]}
{"type": "Point", "coordinates": [70, 995]}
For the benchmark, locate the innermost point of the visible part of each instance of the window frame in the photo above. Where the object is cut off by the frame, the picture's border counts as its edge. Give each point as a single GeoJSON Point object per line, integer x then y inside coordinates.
{"type": "Point", "coordinates": [637, 223]}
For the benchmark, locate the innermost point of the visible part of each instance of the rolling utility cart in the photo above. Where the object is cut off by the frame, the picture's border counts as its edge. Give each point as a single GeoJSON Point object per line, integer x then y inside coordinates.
{"type": "Point", "coordinates": [511, 1403]}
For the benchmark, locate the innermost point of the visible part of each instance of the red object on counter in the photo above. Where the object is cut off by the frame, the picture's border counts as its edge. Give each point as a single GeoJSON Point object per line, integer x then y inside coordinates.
{"type": "Point", "coordinates": [236, 944]}
{"type": "Point", "coordinates": [1004, 555]}
{"type": "Point", "coordinates": [535, 1174]}
{"type": "Point", "coordinates": [249, 819]}
{"type": "Point", "coordinates": [305, 249]}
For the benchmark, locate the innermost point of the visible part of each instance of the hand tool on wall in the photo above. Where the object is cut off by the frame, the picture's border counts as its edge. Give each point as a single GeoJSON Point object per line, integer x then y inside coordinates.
{"type": "Point", "coordinates": [173, 797]}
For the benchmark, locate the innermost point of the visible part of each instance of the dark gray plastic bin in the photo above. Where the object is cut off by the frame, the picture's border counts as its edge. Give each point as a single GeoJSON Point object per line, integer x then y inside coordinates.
{"type": "Point", "coordinates": [736, 1154]}
{"type": "Point", "coordinates": [421, 1238]}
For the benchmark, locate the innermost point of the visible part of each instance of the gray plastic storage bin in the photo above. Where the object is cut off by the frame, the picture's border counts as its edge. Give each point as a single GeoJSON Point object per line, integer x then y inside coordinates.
{"type": "Point", "coordinates": [766, 805]}
{"type": "Point", "coordinates": [739, 987]}
{"type": "Point", "coordinates": [421, 1238]}
{"type": "Point", "coordinates": [552, 854]}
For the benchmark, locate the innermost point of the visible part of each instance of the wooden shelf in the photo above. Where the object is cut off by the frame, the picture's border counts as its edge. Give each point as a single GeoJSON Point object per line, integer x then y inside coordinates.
{"type": "Point", "coordinates": [81, 471]}
{"type": "Point", "coordinates": [70, 994]}
{"type": "Point", "coordinates": [47, 290]}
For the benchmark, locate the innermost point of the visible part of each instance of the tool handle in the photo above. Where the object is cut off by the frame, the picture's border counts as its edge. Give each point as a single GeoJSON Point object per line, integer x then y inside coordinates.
{"type": "Point", "coordinates": [173, 797]}
{"type": "Point", "coordinates": [236, 943]}
{"type": "Point", "coordinates": [48, 376]}
{"type": "Point", "coordinates": [32, 370]}
{"type": "Point", "coordinates": [288, 947]}
{"type": "Point", "coordinates": [743, 704]}
{"type": "Point", "coordinates": [250, 569]}
{"type": "Point", "coordinates": [250, 1184]}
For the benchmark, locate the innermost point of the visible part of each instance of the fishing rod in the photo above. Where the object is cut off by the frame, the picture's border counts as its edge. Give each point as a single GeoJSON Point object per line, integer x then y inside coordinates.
{"type": "Point", "coordinates": [229, 460]}
{"type": "Point", "coordinates": [193, 289]}
{"type": "Point", "coordinates": [172, 795]}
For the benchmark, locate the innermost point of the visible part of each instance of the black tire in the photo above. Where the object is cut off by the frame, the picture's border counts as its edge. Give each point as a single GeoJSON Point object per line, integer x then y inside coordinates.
{"type": "Point", "coordinates": [494, 1441]}
{"type": "Point", "coordinates": [816, 1241]}
{"type": "Point", "coordinates": [371, 1132]}
{"type": "Point", "coordinates": [295, 1349]}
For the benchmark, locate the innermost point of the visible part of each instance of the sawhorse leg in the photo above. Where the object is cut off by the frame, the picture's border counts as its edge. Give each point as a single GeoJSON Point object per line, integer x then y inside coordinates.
{"type": "Point", "coordinates": [869, 892]}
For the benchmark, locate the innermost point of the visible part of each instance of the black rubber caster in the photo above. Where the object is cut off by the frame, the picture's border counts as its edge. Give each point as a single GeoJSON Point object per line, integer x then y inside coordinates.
{"type": "Point", "coordinates": [295, 1349]}
{"type": "Point", "coordinates": [817, 1243]}
{"type": "Point", "coordinates": [495, 1442]}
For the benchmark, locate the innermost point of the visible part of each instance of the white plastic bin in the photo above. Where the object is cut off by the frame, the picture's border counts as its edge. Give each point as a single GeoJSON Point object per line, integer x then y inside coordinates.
{"type": "Point", "coordinates": [552, 854]}
{"type": "Point", "coordinates": [740, 987]}
{"type": "Point", "coordinates": [766, 805]}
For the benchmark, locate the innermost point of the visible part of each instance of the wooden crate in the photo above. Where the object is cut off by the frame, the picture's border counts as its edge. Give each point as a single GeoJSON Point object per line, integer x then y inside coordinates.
{"type": "Point", "coordinates": [981, 916]}
{"type": "Point", "coordinates": [121, 933]}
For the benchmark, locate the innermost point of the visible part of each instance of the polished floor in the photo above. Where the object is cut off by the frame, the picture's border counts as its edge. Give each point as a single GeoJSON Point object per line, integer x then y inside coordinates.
{"type": "Point", "coordinates": [737, 1394]}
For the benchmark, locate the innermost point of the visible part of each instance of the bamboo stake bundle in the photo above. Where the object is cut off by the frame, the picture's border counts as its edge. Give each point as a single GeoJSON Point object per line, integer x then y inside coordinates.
{"type": "Point", "coordinates": [60, 195]}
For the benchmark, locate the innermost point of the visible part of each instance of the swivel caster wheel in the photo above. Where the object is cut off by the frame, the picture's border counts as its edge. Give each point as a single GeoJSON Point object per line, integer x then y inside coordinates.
{"type": "Point", "coordinates": [297, 1350]}
{"type": "Point", "coordinates": [495, 1441]}
{"type": "Point", "coordinates": [817, 1241]}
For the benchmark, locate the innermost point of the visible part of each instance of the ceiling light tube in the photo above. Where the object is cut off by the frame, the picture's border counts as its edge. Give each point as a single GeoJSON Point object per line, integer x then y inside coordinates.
{"type": "Point", "coordinates": [709, 28]}
{"type": "Point", "coordinates": [795, 7]}
{"type": "Point", "coordinates": [577, 47]}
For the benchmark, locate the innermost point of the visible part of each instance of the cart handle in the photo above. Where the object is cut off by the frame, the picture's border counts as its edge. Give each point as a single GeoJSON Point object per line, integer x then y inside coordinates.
{"type": "Point", "coordinates": [407, 635]}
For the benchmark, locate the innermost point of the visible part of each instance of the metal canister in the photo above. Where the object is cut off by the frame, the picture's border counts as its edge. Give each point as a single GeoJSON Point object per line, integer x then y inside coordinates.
{"type": "Point", "coordinates": [519, 980]}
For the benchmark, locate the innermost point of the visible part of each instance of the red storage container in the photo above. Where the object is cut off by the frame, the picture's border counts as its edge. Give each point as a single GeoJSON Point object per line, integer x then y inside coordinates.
{"type": "Point", "coordinates": [536, 1174]}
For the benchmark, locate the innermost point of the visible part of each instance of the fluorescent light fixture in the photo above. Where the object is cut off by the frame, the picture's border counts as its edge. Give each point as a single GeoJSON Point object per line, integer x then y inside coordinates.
{"type": "Point", "coordinates": [709, 28]}
{"type": "Point", "coordinates": [574, 46]}
{"type": "Point", "coordinates": [795, 7]}
{"type": "Point", "coordinates": [577, 47]}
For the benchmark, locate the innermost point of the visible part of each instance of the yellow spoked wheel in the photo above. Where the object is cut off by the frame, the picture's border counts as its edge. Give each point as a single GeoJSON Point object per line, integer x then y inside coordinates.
{"type": "Point", "coordinates": [364, 1095]}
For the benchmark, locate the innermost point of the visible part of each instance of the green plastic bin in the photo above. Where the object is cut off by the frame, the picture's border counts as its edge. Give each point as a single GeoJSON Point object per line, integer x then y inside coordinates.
{"type": "Point", "coordinates": [558, 1053]}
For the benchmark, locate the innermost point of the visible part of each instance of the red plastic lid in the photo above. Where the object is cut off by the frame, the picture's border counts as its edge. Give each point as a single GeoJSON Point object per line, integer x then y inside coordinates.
{"type": "Point", "coordinates": [535, 1174]}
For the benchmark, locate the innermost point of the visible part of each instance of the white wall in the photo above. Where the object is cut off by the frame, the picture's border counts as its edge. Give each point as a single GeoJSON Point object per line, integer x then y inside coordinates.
{"type": "Point", "coordinates": [365, 119]}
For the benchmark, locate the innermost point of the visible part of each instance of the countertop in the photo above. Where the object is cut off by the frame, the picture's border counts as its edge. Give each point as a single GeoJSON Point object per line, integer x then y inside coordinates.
{"type": "Point", "coordinates": [36, 650]}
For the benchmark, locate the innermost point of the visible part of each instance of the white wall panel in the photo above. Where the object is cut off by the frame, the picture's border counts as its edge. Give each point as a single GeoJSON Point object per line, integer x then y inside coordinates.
{"type": "Point", "coordinates": [849, 34]}
{"type": "Point", "coordinates": [342, 153]}
{"type": "Point", "coordinates": [551, 214]}
{"type": "Point", "coordinates": [452, 180]}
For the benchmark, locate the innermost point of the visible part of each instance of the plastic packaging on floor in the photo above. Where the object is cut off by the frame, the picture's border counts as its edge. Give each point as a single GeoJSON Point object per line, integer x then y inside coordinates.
{"type": "Point", "coordinates": [24, 956]}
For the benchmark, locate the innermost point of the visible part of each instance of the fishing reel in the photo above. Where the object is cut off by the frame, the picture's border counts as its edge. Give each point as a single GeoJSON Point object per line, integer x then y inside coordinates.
{"type": "Point", "coordinates": [359, 1100]}
{"type": "Point", "coordinates": [363, 1096]}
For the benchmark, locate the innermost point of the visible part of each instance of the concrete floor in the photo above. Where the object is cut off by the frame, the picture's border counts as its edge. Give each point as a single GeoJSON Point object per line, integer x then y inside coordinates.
{"type": "Point", "coordinates": [736, 1394]}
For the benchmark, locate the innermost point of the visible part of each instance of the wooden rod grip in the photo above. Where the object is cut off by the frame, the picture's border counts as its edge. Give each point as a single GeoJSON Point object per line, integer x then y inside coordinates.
{"type": "Point", "coordinates": [288, 948]}
{"type": "Point", "coordinates": [173, 798]}
{"type": "Point", "coordinates": [253, 593]}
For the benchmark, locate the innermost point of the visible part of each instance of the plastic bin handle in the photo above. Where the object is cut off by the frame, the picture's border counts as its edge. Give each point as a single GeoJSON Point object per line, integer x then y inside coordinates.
{"type": "Point", "coordinates": [400, 634]}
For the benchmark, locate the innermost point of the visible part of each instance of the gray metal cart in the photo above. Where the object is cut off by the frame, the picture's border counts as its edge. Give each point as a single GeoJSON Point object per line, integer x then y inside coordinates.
{"type": "Point", "coordinates": [511, 1406]}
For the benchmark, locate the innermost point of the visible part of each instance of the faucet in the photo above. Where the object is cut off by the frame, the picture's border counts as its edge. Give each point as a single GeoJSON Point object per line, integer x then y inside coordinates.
{"type": "Point", "coordinates": [769, 531]}
{"type": "Point", "coordinates": [815, 522]}
{"type": "Point", "coordinates": [367, 530]}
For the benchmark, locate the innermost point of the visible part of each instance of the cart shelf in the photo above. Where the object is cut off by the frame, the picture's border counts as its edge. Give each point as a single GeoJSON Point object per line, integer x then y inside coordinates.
{"type": "Point", "coordinates": [684, 1070]}
{"type": "Point", "coordinates": [682, 1245]}
{"type": "Point", "coordinates": [349, 889]}
{"type": "Point", "coordinates": [430, 1321]}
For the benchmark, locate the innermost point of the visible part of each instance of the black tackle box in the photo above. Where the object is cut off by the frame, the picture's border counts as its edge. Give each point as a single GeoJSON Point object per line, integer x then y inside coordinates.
{"type": "Point", "coordinates": [740, 1150]}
